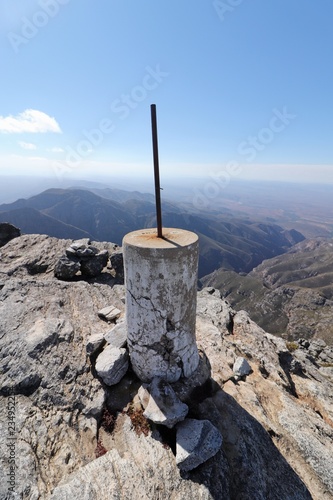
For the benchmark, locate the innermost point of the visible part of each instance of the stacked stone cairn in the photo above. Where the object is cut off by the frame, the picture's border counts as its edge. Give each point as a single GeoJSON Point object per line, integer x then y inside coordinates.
{"type": "Point", "coordinates": [81, 256]}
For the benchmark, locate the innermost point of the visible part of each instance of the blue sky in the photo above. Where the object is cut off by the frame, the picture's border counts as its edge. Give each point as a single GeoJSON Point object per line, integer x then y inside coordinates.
{"type": "Point", "coordinates": [241, 86]}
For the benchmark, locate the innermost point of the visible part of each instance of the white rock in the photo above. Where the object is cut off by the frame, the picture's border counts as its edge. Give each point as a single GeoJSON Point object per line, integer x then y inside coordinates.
{"type": "Point", "coordinates": [117, 336]}
{"type": "Point", "coordinates": [112, 364]}
{"type": "Point", "coordinates": [241, 367]}
{"type": "Point", "coordinates": [196, 442]}
{"type": "Point", "coordinates": [109, 313]}
{"type": "Point", "coordinates": [163, 407]}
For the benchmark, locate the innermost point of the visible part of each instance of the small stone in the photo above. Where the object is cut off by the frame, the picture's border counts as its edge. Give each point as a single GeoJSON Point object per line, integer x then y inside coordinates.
{"type": "Point", "coordinates": [66, 268]}
{"type": "Point", "coordinates": [241, 367]}
{"type": "Point", "coordinates": [112, 365]}
{"type": "Point", "coordinates": [95, 342]}
{"type": "Point", "coordinates": [80, 244]}
{"type": "Point", "coordinates": [70, 252]}
{"type": "Point", "coordinates": [117, 263]}
{"type": "Point", "coordinates": [163, 406]}
{"type": "Point", "coordinates": [196, 442]}
{"type": "Point", "coordinates": [109, 313]}
{"type": "Point", "coordinates": [144, 395]}
{"type": "Point", "coordinates": [117, 336]}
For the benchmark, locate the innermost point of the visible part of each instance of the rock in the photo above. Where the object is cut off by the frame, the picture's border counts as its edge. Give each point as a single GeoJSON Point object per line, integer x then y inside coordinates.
{"type": "Point", "coordinates": [276, 424]}
{"type": "Point", "coordinates": [93, 266]}
{"type": "Point", "coordinates": [188, 389]}
{"type": "Point", "coordinates": [316, 347]}
{"type": "Point", "coordinates": [136, 467]}
{"type": "Point", "coordinates": [94, 343]}
{"type": "Point", "coordinates": [241, 367]}
{"type": "Point", "coordinates": [8, 232]}
{"type": "Point", "coordinates": [91, 259]}
{"type": "Point", "coordinates": [122, 394]}
{"type": "Point", "coordinates": [197, 441]}
{"type": "Point", "coordinates": [266, 395]}
{"type": "Point", "coordinates": [66, 268]}
{"type": "Point", "coordinates": [79, 245]}
{"type": "Point", "coordinates": [117, 336]}
{"type": "Point", "coordinates": [304, 343]}
{"type": "Point", "coordinates": [44, 327]}
{"type": "Point", "coordinates": [162, 406]}
{"type": "Point", "coordinates": [81, 251]}
{"type": "Point", "coordinates": [218, 312]}
{"type": "Point", "coordinates": [109, 313]}
{"type": "Point", "coordinates": [144, 395]}
{"type": "Point", "coordinates": [117, 264]}
{"type": "Point", "coordinates": [326, 355]}
{"type": "Point", "coordinates": [112, 365]}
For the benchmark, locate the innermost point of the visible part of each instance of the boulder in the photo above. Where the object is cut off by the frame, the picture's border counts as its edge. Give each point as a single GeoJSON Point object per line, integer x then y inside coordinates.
{"type": "Point", "coordinates": [8, 232]}
{"type": "Point", "coordinates": [161, 404]}
{"type": "Point", "coordinates": [112, 365]}
{"type": "Point", "coordinates": [196, 442]}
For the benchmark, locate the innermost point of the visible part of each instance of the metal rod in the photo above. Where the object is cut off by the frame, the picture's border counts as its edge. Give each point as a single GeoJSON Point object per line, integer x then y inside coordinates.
{"type": "Point", "coordinates": [156, 171]}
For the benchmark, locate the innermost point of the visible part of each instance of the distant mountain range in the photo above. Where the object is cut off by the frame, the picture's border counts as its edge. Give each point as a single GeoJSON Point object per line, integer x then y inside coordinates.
{"type": "Point", "coordinates": [291, 293]}
{"type": "Point", "coordinates": [108, 214]}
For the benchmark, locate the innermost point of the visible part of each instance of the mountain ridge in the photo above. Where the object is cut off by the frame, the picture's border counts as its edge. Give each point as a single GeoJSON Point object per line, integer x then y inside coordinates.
{"type": "Point", "coordinates": [236, 244]}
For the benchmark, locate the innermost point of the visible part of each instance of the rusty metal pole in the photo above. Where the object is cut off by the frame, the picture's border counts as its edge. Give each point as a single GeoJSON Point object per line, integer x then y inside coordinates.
{"type": "Point", "coordinates": [156, 171]}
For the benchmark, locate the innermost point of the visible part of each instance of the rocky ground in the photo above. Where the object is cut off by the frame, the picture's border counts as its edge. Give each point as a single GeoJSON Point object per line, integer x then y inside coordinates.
{"type": "Point", "coordinates": [276, 422]}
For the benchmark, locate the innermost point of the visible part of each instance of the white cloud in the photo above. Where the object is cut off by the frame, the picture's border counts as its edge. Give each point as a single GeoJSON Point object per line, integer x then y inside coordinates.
{"type": "Point", "coordinates": [31, 121]}
{"type": "Point", "coordinates": [27, 145]}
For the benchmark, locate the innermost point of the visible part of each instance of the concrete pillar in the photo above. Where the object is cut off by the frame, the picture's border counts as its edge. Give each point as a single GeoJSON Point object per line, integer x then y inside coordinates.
{"type": "Point", "coordinates": [161, 292]}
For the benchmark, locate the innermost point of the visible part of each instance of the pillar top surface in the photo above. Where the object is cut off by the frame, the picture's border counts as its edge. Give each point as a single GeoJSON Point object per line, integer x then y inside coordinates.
{"type": "Point", "coordinates": [172, 238]}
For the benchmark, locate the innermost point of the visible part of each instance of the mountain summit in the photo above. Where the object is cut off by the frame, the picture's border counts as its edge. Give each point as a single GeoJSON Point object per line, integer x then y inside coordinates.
{"type": "Point", "coordinates": [76, 437]}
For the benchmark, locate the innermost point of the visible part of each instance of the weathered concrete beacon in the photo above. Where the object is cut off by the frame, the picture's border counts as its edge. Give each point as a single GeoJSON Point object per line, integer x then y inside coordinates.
{"type": "Point", "coordinates": [161, 291]}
